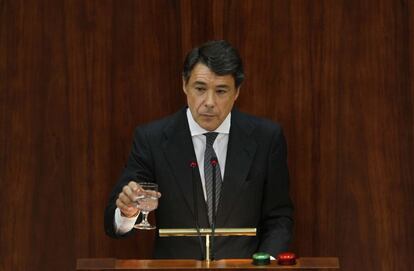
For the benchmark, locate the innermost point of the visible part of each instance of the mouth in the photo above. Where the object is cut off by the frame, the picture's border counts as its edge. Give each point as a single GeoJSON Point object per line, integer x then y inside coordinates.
{"type": "Point", "coordinates": [208, 115]}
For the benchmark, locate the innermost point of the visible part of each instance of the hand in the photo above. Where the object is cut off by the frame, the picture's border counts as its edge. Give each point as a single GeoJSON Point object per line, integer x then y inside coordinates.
{"type": "Point", "coordinates": [127, 199]}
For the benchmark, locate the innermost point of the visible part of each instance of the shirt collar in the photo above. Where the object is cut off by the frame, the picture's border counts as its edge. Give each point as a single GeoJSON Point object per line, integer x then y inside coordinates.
{"type": "Point", "coordinates": [196, 129]}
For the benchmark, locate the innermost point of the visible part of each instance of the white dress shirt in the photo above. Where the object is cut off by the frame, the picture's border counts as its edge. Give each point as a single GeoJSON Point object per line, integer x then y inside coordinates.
{"type": "Point", "coordinates": [219, 146]}
{"type": "Point", "coordinates": [125, 224]}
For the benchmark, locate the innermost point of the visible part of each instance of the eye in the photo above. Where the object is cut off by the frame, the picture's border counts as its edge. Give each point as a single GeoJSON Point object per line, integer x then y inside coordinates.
{"type": "Point", "coordinates": [221, 91]}
{"type": "Point", "coordinates": [200, 89]}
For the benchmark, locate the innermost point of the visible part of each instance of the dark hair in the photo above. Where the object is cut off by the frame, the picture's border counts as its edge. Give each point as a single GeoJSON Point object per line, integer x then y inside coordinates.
{"type": "Point", "coordinates": [219, 56]}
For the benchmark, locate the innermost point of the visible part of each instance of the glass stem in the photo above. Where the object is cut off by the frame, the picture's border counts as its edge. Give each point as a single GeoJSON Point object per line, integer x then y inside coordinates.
{"type": "Point", "coordinates": [144, 217]}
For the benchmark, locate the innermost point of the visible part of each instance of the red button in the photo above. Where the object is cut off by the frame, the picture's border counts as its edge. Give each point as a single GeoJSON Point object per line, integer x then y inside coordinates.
{"type": "Point", "coordinates": [286, 258]}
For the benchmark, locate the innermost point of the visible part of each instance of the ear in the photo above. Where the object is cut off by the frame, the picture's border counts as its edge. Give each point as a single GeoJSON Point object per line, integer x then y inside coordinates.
{"type": "Point", "coordinates": [184, 86]}
{"type": "Point", "coordinates": [237, 93]}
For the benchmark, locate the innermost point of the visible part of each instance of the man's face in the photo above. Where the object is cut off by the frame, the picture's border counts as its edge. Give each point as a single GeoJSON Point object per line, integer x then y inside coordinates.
{"type": "Point", "coordinates": [210, 97]}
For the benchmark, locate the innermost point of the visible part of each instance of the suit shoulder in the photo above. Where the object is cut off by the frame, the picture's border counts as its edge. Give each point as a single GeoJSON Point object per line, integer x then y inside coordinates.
{"type": "Point", "coordinates": [260, 124]}
{"type": "Point", "coordinates": [267, 133]}
{"type": "Point", "coordinates": [157, 126]}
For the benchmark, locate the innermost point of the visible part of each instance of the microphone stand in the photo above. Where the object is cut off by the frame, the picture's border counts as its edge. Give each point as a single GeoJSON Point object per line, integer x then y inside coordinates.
{"type": "Point", "coordinates": [213, 222]}
{"type": "Point", "coordinates": [193, 166]}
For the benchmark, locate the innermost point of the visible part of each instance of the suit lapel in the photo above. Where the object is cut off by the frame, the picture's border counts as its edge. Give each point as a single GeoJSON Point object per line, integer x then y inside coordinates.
{"type": "Point", "coordinates": [179, 151]}
{"type": "Point", "coordinates": [240, 153]}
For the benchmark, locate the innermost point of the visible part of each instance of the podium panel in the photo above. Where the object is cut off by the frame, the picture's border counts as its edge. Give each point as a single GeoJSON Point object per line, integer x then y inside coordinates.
{"type": "Point", "coordinates": [303, 263]}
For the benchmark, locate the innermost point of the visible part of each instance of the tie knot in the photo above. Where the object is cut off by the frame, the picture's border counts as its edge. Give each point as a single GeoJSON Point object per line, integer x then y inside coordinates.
{"type": "Point", "coordinates": [210, 137]}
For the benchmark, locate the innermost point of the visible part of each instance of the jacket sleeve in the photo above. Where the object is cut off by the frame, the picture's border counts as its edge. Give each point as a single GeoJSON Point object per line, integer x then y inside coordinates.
{"type": "Point", "coordinates": [138, 168]}
{"type": "Point", "coordinates": [276, 225]}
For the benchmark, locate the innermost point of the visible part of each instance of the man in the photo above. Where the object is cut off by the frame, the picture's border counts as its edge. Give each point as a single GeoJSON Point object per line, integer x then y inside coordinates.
{"type": "Point", "coordinates": [252, 181]}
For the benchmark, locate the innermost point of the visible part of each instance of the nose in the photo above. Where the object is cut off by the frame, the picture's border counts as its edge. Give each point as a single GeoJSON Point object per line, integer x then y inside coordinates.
{"type": "Point", "coordinates": [210, 99]}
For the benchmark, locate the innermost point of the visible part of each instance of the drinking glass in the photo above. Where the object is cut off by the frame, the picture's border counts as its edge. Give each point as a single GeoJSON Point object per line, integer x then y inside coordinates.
{"type": "Point", "coordinates": [147, 201]}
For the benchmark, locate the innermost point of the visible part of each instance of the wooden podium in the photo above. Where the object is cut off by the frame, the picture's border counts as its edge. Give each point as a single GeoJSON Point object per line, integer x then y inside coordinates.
{"type": "Point", "coordinates": [303, 263]}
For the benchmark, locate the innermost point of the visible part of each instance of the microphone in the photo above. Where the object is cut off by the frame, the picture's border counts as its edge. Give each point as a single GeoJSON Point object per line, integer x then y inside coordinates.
{"type": "Point", "coordinates": [214, 163]}
{"type": "Point", "coordinates": [193, 166]}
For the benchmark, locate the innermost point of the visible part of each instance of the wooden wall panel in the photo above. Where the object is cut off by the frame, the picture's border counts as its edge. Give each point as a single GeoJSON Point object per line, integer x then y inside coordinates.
{"type": "Point", "coordinates": [76, 77]}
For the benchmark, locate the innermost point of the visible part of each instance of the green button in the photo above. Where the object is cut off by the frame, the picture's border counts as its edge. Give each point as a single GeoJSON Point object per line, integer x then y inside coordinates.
{"type": "Point", "coordinates": [261, 258]}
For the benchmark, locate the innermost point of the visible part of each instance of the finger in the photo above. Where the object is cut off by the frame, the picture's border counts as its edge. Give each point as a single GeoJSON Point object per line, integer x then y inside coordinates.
{"type": "Point", "coordinates": [153, 193]}
{"type": "Point", "coordinates": [133, 186]}
{"type": "Point", "coordinates": [126, 190]}
{"type": "Point", "coordinates": [125, 208]}
{"type": "Point", "coordinates": [125, 199]}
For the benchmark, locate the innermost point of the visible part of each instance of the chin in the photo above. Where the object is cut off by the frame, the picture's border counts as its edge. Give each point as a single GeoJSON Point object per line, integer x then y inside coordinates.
{"type": "Point", "coordinates": [209, 127]}
{"type": "Point", "coordinates": [208, 124]}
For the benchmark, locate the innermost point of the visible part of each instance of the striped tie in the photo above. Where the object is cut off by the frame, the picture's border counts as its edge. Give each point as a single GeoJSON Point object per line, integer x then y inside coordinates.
{"type": "Point", "coordinates": [208, 174]}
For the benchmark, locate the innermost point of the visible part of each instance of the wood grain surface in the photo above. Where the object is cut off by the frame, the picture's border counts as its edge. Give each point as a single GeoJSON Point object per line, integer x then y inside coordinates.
{"type": "Point", "coordinates": [305, 263]}
{"type": "Point", "coordinates": [77, 76]}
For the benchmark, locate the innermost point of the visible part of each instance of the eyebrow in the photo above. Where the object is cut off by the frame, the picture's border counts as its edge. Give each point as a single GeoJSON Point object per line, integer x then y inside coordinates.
{"type": "Point", "coordinates": [218, 86]}
{"type": "Point", "coordinates": [222, 86]}
{"type": "Point", "coordinates": [200, 83]}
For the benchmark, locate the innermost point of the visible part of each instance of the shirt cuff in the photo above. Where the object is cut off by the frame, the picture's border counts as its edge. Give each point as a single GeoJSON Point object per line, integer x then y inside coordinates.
{"type": "Point", "coordinates": [123, 224]}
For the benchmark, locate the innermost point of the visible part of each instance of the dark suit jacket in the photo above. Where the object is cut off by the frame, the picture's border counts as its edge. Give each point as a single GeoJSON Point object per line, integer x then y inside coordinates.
{"type": "Point", "coordinates": [255, 191]}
